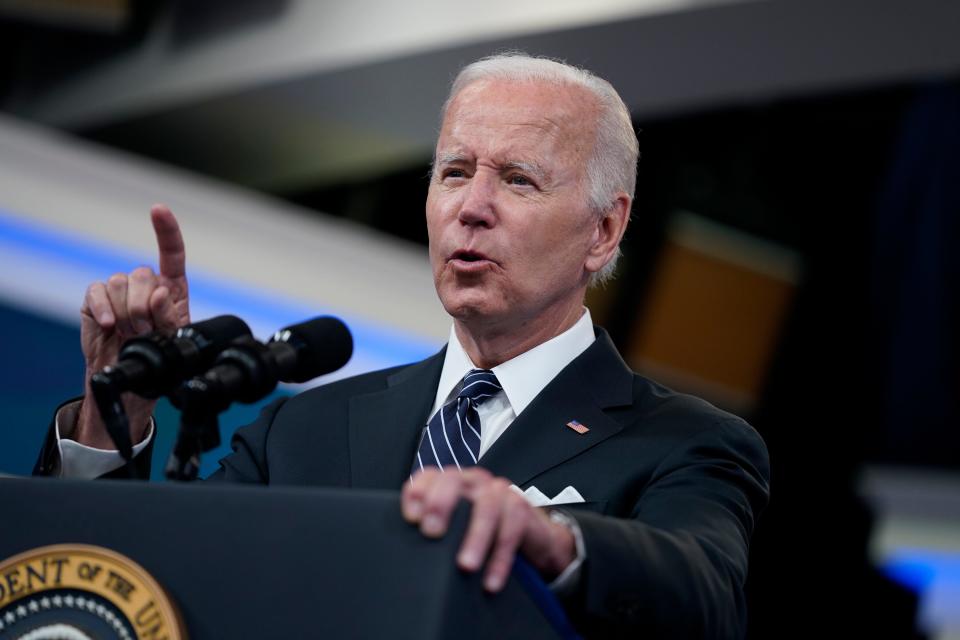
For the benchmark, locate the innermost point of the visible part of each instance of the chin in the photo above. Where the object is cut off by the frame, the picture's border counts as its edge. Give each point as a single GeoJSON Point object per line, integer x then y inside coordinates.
{"type": "Point", "coordinates": [466, 311]}
{"type": "Point", "coordinates": [471, 305]}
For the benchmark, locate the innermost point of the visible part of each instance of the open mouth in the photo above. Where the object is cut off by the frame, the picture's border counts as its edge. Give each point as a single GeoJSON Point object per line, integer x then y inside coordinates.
{"type": "Point", "coordinates": [469, 256]}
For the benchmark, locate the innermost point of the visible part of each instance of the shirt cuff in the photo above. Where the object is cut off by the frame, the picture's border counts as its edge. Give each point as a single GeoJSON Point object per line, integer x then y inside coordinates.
{"type": "Point", "coordinates": [80, 461]}
{"type": "Point", "coordinates": [565, 583]}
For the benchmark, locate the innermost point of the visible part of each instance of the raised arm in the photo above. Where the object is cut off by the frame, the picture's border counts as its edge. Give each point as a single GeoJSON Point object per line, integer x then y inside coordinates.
{"type": "Point", "coordinates": [128, 305]}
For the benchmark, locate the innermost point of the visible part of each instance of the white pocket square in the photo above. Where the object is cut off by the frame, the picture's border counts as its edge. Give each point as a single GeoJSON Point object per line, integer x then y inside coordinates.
{"type": "Point", "coordinates": [538, 498]}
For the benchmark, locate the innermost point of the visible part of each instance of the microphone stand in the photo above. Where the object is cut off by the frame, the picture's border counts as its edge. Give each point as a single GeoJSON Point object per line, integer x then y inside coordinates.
{"type": "Point", "coordinates": [114, 416]}
{"type": "Point", "coordinates": [244, 365]}
{"type": "Point", "coordinates": [246, 371]}
{"type": "Point", "coordinates": [199, 429]}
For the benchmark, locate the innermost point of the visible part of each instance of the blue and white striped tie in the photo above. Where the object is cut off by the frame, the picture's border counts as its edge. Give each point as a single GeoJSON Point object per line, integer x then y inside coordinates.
{"type": "Point", "coordinates": [452, 437]}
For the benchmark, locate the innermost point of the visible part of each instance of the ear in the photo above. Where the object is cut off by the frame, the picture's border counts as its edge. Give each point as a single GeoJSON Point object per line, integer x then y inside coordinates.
{"type": "Point", "coordinates": [610, 229]}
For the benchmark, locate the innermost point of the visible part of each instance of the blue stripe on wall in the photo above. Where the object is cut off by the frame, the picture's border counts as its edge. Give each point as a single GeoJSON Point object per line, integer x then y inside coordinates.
{"type": "Point", "coordinates": [43, 366]}
{"type": "Point", "coordinates": [377, 343]}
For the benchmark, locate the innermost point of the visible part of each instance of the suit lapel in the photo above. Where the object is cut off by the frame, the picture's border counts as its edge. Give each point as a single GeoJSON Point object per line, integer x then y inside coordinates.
{"type": "Point", "coordinates": [385, 425]}
{"type": "Point", "coordinates": [539, 439]}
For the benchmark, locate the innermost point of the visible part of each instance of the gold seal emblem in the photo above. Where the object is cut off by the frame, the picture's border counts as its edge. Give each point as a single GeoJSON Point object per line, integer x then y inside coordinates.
{"type": "Point", "coordinates": [78, 591]}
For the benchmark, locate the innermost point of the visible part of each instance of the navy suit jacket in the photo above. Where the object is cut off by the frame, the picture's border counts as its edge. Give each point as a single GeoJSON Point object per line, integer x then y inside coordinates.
{"type": "Point", "coordinates": [673, 485]}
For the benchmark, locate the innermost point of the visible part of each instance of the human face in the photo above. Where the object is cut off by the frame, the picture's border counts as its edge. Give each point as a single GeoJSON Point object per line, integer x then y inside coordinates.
{"type": "Point", "coordinates": [507, 215]}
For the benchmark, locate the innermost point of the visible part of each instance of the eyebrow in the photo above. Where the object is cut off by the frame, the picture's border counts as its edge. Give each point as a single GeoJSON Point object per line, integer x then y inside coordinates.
{"type": "Point", "coordinates": [449, 157]}
{"type": "Point", "coordinates": [528, 167]}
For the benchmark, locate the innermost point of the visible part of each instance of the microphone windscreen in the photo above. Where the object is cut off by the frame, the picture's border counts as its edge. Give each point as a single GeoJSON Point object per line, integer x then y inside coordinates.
{"type": "Point", "coordinates": [323, 344]}
{"type": "Point", "coordinates": [215, 333]}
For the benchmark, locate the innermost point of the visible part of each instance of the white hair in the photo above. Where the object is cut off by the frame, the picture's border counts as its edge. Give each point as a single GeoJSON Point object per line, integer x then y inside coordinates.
{"type": "Point", "coordinates": [612, 166]}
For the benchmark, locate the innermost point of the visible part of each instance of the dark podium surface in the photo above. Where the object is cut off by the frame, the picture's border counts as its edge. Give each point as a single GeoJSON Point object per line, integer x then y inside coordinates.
{"type": "Point", "coordinates": [258, 562]}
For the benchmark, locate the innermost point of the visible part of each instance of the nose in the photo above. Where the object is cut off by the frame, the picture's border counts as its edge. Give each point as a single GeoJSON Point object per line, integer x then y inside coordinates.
{"type": "Point", "coordinates": [479, 201]}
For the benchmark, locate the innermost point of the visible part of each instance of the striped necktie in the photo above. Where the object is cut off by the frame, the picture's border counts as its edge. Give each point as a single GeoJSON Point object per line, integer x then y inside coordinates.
{"type": "Point", "coordinates": [452, 437]}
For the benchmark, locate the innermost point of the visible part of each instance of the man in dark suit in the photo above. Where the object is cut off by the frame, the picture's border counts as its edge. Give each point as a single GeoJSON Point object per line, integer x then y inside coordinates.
{"type": "Point", "coordinates": [528, 405]}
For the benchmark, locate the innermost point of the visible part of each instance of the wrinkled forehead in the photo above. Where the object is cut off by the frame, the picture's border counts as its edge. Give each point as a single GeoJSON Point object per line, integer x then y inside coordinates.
{"type": "Point", "coordinates": [556, 117]}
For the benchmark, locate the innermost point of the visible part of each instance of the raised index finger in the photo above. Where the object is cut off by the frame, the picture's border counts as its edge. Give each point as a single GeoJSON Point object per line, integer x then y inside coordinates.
{"type": "Point", "coordinates": [169, 241]}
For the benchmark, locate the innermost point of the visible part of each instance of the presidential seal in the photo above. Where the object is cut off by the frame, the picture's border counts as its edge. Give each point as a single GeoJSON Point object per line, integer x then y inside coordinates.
{"type": "Point", "coordinates": [82, 592]}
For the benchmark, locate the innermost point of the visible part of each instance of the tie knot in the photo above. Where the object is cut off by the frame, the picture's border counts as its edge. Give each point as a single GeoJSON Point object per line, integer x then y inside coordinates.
{"type": "Point", "coordinates": [479, 385]}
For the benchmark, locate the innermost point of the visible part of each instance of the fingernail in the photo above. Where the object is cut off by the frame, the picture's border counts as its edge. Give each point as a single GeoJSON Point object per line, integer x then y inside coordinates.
{"type": "Point", "coordinates": [469, 560]}
{"type": "Point", "coordinates": [432, 526]}
{"type": "Point", "coordinates": [493, 583]}
{"type": "Point", "coordinates": [413, 510]}
{"type": "Point", "coordinates": [106, 318]}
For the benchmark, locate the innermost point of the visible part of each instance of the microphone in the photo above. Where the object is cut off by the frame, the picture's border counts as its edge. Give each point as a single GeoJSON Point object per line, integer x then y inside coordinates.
{"type": "Point", "coordinates": [155, 364]}
{"type": "Point", "coordinates": [246, 371]}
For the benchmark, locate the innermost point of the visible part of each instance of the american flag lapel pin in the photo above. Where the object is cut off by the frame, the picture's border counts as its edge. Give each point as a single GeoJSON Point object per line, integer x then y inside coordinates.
{"type": "Point", "coordinates": [579, 428]}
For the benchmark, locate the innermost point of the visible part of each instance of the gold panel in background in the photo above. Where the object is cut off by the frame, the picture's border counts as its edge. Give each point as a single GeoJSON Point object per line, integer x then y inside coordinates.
{"type": "Point", "coordinates": [714, 312]}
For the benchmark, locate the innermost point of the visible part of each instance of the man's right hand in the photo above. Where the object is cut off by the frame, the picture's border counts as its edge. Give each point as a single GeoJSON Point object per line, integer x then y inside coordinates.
{"type": "Point", "coordinates": [129, 305]}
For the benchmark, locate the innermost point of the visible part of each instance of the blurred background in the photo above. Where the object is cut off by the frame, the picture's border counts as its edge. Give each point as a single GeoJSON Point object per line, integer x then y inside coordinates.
{"type": "Point", "coordinates": [794, 254]}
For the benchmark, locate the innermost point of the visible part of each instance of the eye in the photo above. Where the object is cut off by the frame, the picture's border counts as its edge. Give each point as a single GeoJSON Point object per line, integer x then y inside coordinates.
{"type": "Point", "coordinates": [519, 180]}
{"type": "Point", "coordinates": [453, 172]}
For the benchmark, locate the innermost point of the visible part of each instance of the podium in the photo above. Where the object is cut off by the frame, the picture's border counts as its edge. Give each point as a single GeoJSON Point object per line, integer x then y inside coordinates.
{"type": "Point", "coordinates": [261, 562]}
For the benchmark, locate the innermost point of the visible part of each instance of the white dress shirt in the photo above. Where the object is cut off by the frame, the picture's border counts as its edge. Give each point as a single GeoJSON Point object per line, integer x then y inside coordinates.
{"type": "Point", "coordinates": [80, 461]}
{"type": "Point", "coordinates": [522, 378]}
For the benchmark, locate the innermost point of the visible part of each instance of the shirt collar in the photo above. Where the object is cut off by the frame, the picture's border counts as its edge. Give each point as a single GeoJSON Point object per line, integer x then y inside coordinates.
{"type": "Point", "coordinates": [525, 376]}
